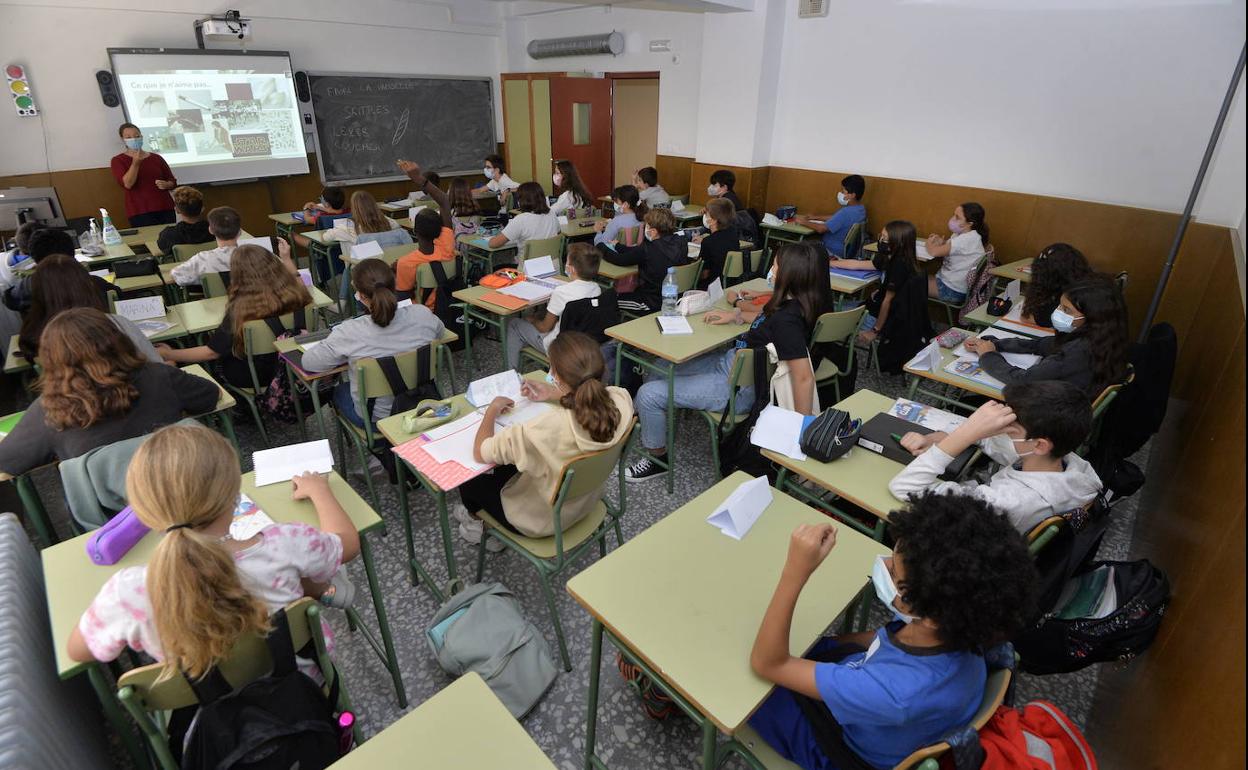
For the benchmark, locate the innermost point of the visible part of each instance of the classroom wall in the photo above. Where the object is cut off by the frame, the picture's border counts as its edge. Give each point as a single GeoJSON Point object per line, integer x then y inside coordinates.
{"type": "Point", "coordinates": [635, 148]}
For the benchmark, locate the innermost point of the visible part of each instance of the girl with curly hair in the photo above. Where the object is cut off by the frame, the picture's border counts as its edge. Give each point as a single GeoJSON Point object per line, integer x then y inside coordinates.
{"type": "Point", "coordinates": [96, 389]}
{"type": "Point", "coordinates": [1058, 267]}
{"type": "Point", "coordinates": [959, 581]}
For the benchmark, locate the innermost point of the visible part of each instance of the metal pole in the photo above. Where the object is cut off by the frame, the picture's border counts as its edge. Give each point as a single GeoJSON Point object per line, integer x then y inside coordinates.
{"type": "Point", "coordinates": [1191, 198]}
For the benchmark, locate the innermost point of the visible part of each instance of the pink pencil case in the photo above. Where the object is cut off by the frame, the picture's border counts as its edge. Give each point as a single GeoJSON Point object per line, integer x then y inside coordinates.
{"type": "Point", "coordinates": [113, 540]}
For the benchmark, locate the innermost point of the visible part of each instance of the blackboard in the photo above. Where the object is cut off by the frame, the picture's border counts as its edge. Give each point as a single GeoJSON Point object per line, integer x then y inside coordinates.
{"type": "Point", "coordinates": [364, 123]}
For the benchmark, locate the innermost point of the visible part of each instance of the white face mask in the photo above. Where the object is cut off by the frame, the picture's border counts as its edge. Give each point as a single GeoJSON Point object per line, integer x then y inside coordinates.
{"type": "Point", "coordinates": [714, 191]}
{"type": "Point", "coordinates": [360, 298]}
{"type": "Point", "coordinates": [886, 590]}
{"type": "Point", "coordinates": [1021, 455]}
{"type": "Point", "coordinates": [706, 221]}
{"type": "Point", "coordinates": [651, 234]}
{"type": "Point", "coordinates": [489, 172]}
{"type": "Point", "coordinates": [771, 277]}
{"type": "Point", "coordinates": [619, 209]}
{"type": "Point", "coordinates": [842, 198]}
{"type": "Point", "coordinates": [1062, 321]}
{"type": "Point", "coordinates": [558, 180]}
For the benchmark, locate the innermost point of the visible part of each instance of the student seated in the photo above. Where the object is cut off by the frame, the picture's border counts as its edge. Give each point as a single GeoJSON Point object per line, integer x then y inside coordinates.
{"type": "Point", "coordinates": [959, 581]}
{"type": "Point", "coordinates": [534, 221]}
{"type": "Point", "coordinates": [573, 194]}
{"type": "Point", "coordinates": [835, 227]}
{"type": "Point", "coordinates": [497, 182]}
{"type": "Point", "coordinates": [895, 257]}
{"type": "Point", "coordinates": [386, 330]}
{"type": "Point", "coordinates": [435, 236]}
{"type": "Point", "coordinates": [541, 326]}
{"type": "Point", "coordinates": [587, 416]}
{"type": "Point", "coordinates": [370, 224]}
{"type": "Point", "coordinates": [1058, 267]}
{"type": "Point", "coordinates": [191, 226]}
{"type": "Point", "coordinates": [720, 218]}
{"type": "Point", "coordinates": [202, 591]}
{"type": "Point", "coordinates": [646, 180]}
{"type": "Point", "coordinates": [962, 250]}
{"type": "Point", "coordinates": [224, 224]}
{"type": "Point", "coordinates": [95, 389]}
{"type": "Point", "coordinates": [465, 213]}
{"type": "Point", "coordinates": [261, 286]}
{"type": "Point", "coordinates": [1032, 436]}
{"type": "Point", "coordinates": [60, 283]}
{"type": "Point", "coordinates": [629, 208]}
{"type": "Point", "coordinates": [333, 201]}
{"type": "Point", "coordinates": [1089, 350]}
{"type": "Point", "coordinates": [42, 243]}
{"type": "Point", "coordinates": [801, 295]}
{"type": "Point", "coordinates": [662, 248]}
{"type": "Point", "coordinates": [722, 182]}
{"type": "Point", "coordinates": [16, 255]}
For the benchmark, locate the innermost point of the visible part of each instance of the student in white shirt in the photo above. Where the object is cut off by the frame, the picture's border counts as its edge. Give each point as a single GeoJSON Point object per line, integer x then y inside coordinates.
{"type": "Point", "coordinates": [961, 251]}
{"type": "Point", "coordinates": [499, 183]}
{"type": "Point", "coordinates": [572, 191]}
{"type": "Point", "coordinates": [646, 180]}
{"type": "Point", "coordinates": [532, 223]}
{"type": "Point", "coordinates": [225, 225]}
{"type": "Point", "coordinates": [541, 327]}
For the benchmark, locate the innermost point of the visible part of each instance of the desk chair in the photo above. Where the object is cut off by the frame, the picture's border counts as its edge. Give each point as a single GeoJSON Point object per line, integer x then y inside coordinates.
{"type": "Point", "coordinates": [427, 281]}
{"type": "Point", "coordinates": [549, 555]}
{"type": "Point", "coordinates": [1100, 406]}
{"type": "Point", "coordinates": [742, 264]}
{"type": "Point", "coordinates": [258, 339]}
{"type": "Point", "coordinates": [741, 376]}
{"type": "Point", "coordinates": [687, 276]}
{"type": "Point", "coordinates": [215, 284]}
{"type": "Point", "coordinates": [853, 240]}
{"type": "Point", "coordinates": [142, 692]}
{"type": "Point", "coordinates": [184, 251]}
{"type": "Point", "coordinates": [840, 327]}
{"type": "Point", "coordinates": [954, 311]}
{"type": "Point", "coordinates": [630, 236]}
{"type": "Point", "coordinates": [544, 247]}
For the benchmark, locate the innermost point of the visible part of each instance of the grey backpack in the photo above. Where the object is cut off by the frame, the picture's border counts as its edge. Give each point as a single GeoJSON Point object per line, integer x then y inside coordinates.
{"type": "Point", "coordinates": [482, 629]}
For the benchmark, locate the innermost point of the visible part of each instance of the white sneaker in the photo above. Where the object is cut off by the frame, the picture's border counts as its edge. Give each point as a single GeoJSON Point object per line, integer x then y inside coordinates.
{"type": "Point", "coordinates": [473, 535]}
{"type": "Point", "coordinates": [460, 513]}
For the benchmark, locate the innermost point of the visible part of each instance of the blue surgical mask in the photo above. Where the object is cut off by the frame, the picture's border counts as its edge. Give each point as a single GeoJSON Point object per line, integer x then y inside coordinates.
{"type": "Point", "coordinates": [886, 590]}
{"type": "Point", "coordinates": [489, 172]}
{"type": "Point", "coordinates": [1063, 322]}
{"type": "Point", "coordinates": [135, 143]}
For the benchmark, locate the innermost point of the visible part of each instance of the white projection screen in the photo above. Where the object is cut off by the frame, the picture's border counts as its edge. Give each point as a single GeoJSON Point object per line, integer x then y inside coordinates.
{"type": "Point", "coordinates": [214, 115]}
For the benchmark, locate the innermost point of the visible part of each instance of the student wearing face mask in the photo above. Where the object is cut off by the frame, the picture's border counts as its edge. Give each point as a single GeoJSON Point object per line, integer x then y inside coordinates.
{"type": "Point", "coordinates": [629, 209]}
{"type": "Point", "coordinates": [722, 182]}
{"type": "Point", "coordinates": [720, 218]}
{"type": "Point", "coordinates": [895, 258]}
{"type": "Point", "coordinates": [1090, 347]}
{"type": "Point", "coordinates": [1032, 436]}
{"type": "Point", "coordinates": [497, 181]}
{"type": "Point", "coordinates": [958, 582]}
{"type": "Point", "coordinates": [835, 227]}
{"type": "Point", "coordinates": [662, 248]}
{"type": "Point", "coordinates": [146, 179]}
{"type": "Point", "coordinates": [573, 194]}
{"type": "Point", "coordinates": [962, 251]}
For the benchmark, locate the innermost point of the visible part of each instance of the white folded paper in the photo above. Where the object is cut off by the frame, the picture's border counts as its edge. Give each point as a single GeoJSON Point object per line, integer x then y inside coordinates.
{"type": "Point", "coordinates": [539, 267]}
{"type": "Point", "coordinates": [779, 430]}
{"type": "Point", "coordinates": [140, 308]}
{"type": "Point", "coordinates": [365, 250]}
{"type": "Point", "coordinates": [263, 242]}
{"type": "Point", "coordinates": [741, 509]}
{"type": "Point", "coordinates": [928, 359]}
{"type": "Point", "coordinates": [481, 392]}
{"type": "Point", "coordinates": [285, 462]}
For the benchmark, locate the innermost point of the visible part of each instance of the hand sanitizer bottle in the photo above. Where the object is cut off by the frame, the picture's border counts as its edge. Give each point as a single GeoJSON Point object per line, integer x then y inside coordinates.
{"type": "Point", "coordinates": [111, 236]}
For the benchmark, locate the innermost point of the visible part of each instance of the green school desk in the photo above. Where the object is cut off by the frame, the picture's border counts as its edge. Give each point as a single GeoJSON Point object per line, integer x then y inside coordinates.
{"type": "Point", "coordinates": [285, 226]}
{"type": "Point", "coordinates": [789, 232]}
{"type": "Point", "coordinates": [14, 361]}
{"type": "Point", "coordinates": [477, 248]}
{"type": "Point", "coordinates": [1020, 270]}
{"type": "Point", "coordinates": [478, 308]}
{"type": "Point", "coordinates": [608, 273]}
{"type": "Point", "coordinates": [640, 339]}
{"type": "Point", "coordinates": [205, 315]}
{"type": "Point", "coordinates": [689, 213]}
{"type": "Point", "coordinates": [580, 228]}
{"type": "Point", "coordinates": [860, 477]}
{"type": "Point", "coordinates": [840, 284]}
{"type": "Point", "coordinates": [323, 248]}
{"type": "Point", "coordinates": [948, 379]}
{"type": "Point", "coordinates": [446, 732]}
{"type": "Point", "coordinates": [693, 602]}
{"type": "Point", "coordinates": [138, 236]}
{"type": "Point", "coordinates": [980, 318]}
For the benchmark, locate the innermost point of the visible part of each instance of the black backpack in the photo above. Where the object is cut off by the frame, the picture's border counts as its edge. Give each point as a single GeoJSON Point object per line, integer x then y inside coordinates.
{"type": "Point", "coordinates": [406, 397]}
{"type": "Point", "coordinates": [451, 317]}
{"type": "Point", "coordinates": [280, 721]}
{"type": "Point", "coordinates": [736, 453]}
{"type": "Point", "coordinates": [591, 315]}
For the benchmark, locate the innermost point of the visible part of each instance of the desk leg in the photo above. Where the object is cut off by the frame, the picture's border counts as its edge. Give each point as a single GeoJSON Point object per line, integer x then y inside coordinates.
{"type": "Point", "coordinates": [387, 640]}
{"type": "Point", "coordinates": [116, 717]}
{"type": "Point", "coordinates": [468, 357]}
{"type": "Point", "coordinates": [591, 716]}
{"type": "Point", "coordinates": [449, 364]}
{"type": "Point", "coordinates": [671, 428]}
{"type": "Point", "coordinates": [227, 427]}
{"type": "Point", "coordinates": [708, 745]}
{"type": "Point", "coordinates": [315, 388]}
{"type": "Point", "coordinates": [399, 473]}
{"type": "Point", "coordinates": [448, 548]}
{"type": "Point", "coordinates": [34, 509]}
{"type": "Point", "coordinates": [914, 386]}
{"type": "Point", "coordinates": [290, 383]}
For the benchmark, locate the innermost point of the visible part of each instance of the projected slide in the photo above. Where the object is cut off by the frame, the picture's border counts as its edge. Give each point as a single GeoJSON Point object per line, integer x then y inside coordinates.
{"type": "Point", "coordinates": [214, 116]}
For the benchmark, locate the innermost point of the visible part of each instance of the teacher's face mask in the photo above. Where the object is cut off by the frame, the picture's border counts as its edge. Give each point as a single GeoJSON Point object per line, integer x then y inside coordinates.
{"type": "Point", "coordinates": [135, 143]}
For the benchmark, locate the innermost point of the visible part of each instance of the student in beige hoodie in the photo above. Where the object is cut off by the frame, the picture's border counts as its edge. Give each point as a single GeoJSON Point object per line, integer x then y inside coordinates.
{"type": "Point", "coordinates": [588, 416]}
{"type": "Point", "coordinates": [1032, 435]}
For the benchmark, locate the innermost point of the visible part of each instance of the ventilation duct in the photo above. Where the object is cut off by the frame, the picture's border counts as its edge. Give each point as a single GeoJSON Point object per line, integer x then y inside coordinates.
{"type": "Point", "coordinates": [582, 45]}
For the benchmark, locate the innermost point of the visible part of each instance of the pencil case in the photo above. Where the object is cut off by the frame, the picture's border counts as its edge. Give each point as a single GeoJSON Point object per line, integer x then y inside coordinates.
{"type": "Point", "coordinates": [427, 415]}
{"type": "Point", "coordinates": [115, 539]}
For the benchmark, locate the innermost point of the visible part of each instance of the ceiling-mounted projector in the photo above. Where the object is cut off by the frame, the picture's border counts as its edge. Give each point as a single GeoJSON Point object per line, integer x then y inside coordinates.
{"type": "Point", "coordinates": [582, 45]}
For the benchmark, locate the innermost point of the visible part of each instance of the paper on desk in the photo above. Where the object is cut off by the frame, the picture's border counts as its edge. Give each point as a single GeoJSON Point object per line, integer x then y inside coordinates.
{"type": "Point", "coordinates": [412, 212]}
{"type": "Point", "coordinates": [779, 430]}
{"type": "Point", "coordinates": [365, 250]}
{"type": "Point", "coordinates": [285, 462]}
{"type": "Point", "coordinates": [140, 308]}
{"type": "Point", "coordinates": [673, 324]}
{"type": "Point", "coordinates": [1013, 290]}
{"type": "Point", "coordinates": [402, 304]}
{"type": "Point", "coordinates": [970, 369]}
{"type": "Point", "coordinates": [456, 447]}
{"type": "Point", "coordinates": [678, 206]}
{"type": "Point", "coordinates": [305, 275]}
{"type": "Point", "coordinates": [527, 291]}
{"type": "Point", "coordinates": [82, 257]}
{"type": "Point", "coordinates": [481, 392]}
{"type": "Point", "coordinates": [563, 220]}
{"type": "Point", "coordinates": [469, 420]}
{"type": "Point", "coordinates": [928, 359]}
{"type": "Point", "coordinates": [920, 252]}
{"type": "Point", "coordinates": [741, 509]}
{"type": "Point", "coordinates": [104, 273]}
{"type": "Point", "coordinates": [715, 291]}
{"type": "Point", "coordinates": [1021, 360]}
{"type": "Point", "coordinates": [248, 519]}
{"type": "Point", "coordinates": [153, 327]}
{"type": "Point", "coordinates": [263, 242]}
{"type": "Point", "coordinates": [308, 346]}
{"type": "Point", "coordinates": [539, 267]}
{"type": "Point", "coordinates": [927, 416]}
{"type": "Point", "coordinates": [522, 412]}
{"type": "Point", "coordinates": [772, 220]}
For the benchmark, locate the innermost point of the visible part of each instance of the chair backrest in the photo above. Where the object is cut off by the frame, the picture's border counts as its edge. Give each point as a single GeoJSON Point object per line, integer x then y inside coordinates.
{"type": "Point", "coordinates": [184, 251]}
{"type": "Point", "coordinates": [587, 473]}
{"type": "Point", "coordinates": [258, 338]}
{"type": "Point", "coordinates": [630, 236]}
{"type": "Point", "coordinates": [215, 284]}
{"type": "Point", "coordinates": [853, 240]}
{"type": "Point", "coordinates": [328, 221]}
{"type": "Point", "coordinates": [687, 276]}
{"type": "Point", "coordinates": [544, 247]}
{"type": "Point", "coordinates": [995, 689]}
{"type": "Point", "coordinates": [840, 326]}
{"type": "Point", "coordinates": [247, 662]}
{"type": "Point", "coordinates": [416, 366]}
{"type": "Point", "coordinates": [1043, 533]}
{"type": "Point", "coordinates": [742, 262]}
{"type": "Point", "coordinates": [424, 273]}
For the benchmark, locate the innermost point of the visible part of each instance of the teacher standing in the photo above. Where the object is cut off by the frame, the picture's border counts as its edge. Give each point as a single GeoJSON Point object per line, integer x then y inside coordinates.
{"type": "Point", "coordinates": [146, 178]}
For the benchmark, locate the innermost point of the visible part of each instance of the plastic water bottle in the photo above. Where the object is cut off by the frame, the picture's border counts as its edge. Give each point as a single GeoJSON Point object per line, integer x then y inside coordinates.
{"type": "Point", "coordinates": [670, 293]}
{"type": "Point", "coordinates": [111, 236]}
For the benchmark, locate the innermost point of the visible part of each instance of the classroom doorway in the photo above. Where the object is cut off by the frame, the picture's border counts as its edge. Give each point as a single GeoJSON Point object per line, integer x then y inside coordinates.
{"type": "Point", "coordinates": [635, 105]}
{"type": "Point", "coordinates": [580, 128]}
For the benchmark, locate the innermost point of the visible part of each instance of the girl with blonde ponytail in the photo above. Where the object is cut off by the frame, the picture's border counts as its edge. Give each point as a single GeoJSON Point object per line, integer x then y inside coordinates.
{"type": "Point", "coordinates": [586, 417]}
{"type": "Point", "coordinates": [202, 591]}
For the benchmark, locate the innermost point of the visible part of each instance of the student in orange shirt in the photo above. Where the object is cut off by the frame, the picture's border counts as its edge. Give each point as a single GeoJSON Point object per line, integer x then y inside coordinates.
{"type": "Point", "coordinates": [435, 236]}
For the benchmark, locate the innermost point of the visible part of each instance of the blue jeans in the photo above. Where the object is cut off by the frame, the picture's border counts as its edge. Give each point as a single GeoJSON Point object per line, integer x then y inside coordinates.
{"type": "Point", "coordinates": [344, 402]}
{"type": "Point", "coordinates": [946, 294]}
{"type": "Point", "coordinates": [700, 384]}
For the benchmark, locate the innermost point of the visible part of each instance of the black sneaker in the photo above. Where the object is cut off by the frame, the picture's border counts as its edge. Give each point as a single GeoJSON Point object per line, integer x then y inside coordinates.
{"type": "Point", "coordinates": [643, 469]}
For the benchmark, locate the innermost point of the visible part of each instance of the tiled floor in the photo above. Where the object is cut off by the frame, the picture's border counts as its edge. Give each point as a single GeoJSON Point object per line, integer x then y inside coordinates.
{"type": "Point", "coordinates": [627, 739]}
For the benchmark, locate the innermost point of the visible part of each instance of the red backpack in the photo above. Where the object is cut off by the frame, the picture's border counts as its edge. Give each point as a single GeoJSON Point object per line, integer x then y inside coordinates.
{"type": "Point", "coordinates": [1036, 737]}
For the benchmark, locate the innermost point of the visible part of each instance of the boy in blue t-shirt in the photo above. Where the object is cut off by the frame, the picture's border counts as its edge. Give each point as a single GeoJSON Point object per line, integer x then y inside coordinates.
{"type": "Point", "coordinates": [959, 581]}
{"type": "Point", "coordinates": [836, 226]}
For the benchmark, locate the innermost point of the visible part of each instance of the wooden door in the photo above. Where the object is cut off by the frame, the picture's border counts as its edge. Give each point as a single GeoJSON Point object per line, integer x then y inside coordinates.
{"type": "Point", "coordinates": [580, 128]}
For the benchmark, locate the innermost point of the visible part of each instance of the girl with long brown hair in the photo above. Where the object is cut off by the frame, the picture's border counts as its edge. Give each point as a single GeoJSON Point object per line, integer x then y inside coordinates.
{"type": "Point", "coordinates": [261, 286]}
{"type": "Point", "coordinates": [96, 389]}
{"type": "Point", "coordinates": [203, 590]}
{"type": "Point", "coordinates": [586, 416]}
{"type": "Point", "coordinates": [371, 224]}
{"type": "Point", "coordinates": [465, 213]}
{"type": "Point", "coordinates": [573, 194]}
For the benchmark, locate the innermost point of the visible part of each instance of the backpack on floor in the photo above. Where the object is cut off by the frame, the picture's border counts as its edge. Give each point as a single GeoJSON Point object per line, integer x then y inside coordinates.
{"type": "Point", "coordinates": [1110, 612]}
{"type": "Point", "coordinates": [1038, 736]}
{"type": "Point", "coordinates": [280, 721]}
{"type": "Point", "coordinates": [278, 399]}
{"type": "Point", "coordinates": [482, 629]}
